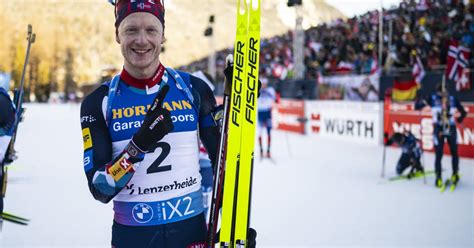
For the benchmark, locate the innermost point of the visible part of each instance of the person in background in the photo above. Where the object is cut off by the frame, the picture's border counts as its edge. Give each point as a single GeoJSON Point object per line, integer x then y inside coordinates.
{"type": "Point", "coordinates": [443, 107]}
{"type": "Point", "coordinates": [411, 153]}
{"type": "Point", "coordinates": [265, 103]}
{"type": "Point", "coordinates": [7, 122]}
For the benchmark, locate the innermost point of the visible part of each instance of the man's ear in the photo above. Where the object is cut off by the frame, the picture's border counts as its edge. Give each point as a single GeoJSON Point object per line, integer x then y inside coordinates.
{"type": "Point", "coordinates": [117, 37]}
{"type": "Point", "coordinates": [163, 39]}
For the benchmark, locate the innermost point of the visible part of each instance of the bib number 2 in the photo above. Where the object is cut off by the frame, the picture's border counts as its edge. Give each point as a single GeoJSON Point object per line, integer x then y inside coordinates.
{"type": "Point", "coordinates": [156, 166]}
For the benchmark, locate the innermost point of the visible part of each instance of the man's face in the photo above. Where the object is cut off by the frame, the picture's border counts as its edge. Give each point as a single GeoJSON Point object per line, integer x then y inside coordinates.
{"type": "Point", "coordinates": [140, 36]}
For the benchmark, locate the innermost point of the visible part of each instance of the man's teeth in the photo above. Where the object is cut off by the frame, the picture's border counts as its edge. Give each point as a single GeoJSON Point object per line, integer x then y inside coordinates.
{"type": "Point", "coordinates": [140, 51]}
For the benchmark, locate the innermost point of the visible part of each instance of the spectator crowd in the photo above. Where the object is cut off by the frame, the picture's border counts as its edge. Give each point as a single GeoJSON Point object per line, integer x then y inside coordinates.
{"type": "Point", "coordinates": [423, 28]}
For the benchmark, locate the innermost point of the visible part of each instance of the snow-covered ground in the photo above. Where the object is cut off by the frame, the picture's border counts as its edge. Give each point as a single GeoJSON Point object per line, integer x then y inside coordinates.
{"type": "Point", "coordinates": [319, 193]}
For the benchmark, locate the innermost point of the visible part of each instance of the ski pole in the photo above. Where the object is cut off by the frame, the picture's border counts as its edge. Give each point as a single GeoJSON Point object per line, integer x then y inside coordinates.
{"type": "Point", "coordinates": [421, 148]}
{"type": "Point", "coordinates": [10, 154]}
{"type": "Point", "coordinates": [424, 174]}
{"type": "Point", "coordinates": [219, 170]}
{"type": "Point", "coordinates": [18, 98]}
{"type": "Point", "coordinates": [386, 105]}
{"type": "Point", "coordinates": [383, 161]}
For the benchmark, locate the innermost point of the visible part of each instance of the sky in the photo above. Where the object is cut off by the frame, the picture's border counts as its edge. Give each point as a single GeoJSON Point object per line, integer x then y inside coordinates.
{"type": "Point", "coordinates": [357, 7]}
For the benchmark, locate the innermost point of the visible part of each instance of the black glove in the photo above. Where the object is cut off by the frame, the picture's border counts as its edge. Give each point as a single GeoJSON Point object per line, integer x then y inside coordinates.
{"type": "Point", "coordinates": [228, 71]}
{"type": "Point", "coordinates": [156, 125]}
{"type": "Point", "coordinates": [252, 238]}
{"type": "Point", "coordinates": [218, 114]}
{"type": "Point", "coordinates": [228, 75]}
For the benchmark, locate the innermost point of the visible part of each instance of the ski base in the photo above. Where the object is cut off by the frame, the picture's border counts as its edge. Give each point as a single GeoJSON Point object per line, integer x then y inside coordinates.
{"type": "Point", "coordinates": [412, 176]}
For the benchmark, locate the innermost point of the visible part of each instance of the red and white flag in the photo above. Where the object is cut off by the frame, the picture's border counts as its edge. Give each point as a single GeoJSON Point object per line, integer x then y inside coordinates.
{"type": "Point", "coordinates": [374, 66]}
{"type": "Point", "coordinates": [464, 82]}
{"type": "Point", "coordinates": [418, 71]}
{"type": "Point", "coordinates": [345, 67]}
{"type": "Point", "coordinates": [457, 63]}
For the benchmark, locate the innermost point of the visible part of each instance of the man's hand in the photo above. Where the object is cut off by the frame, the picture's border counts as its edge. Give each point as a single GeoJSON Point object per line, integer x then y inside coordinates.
{"type": "Point", "coordinates": [156, 125]}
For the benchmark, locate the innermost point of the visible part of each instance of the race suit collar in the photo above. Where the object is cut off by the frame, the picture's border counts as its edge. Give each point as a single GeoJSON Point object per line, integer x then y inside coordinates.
{"type": "Point", "coordinates": [143, 83]}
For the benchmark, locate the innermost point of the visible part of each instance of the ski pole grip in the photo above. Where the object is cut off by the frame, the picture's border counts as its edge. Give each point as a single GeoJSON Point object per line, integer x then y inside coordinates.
{"type": "Point", "coordinates": [229, 60]}
{"type": "Point", "coordinates": [227, 87]}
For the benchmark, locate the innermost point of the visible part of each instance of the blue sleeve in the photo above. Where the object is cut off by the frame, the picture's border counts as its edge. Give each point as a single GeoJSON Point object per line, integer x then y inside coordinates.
{"type": "Point", "coordinates": [461, 110]}
{"type": "Point", "coordinates": [96, 139]}
{"type": "Point", "coordinates": [412, 143]}
{"type": "Point", "coordinates": [423, 102]}
{"type": "Point", "coordinates": [209, 132]}
{"type": "Point", "coordinates": [7, 115]}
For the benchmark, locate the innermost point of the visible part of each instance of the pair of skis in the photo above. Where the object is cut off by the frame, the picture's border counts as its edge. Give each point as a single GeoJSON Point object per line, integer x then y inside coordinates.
{"type": "Point", "coordinates": [15, 219]}
{"type": "Point", "coordinates": [411, 176]}
{"type": "Point", "coordinates": [448, 184]}
{"type": "Point", "coordinates": [236, 153]}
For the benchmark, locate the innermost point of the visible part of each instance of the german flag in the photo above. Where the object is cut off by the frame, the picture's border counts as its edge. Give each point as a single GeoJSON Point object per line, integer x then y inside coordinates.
{"type": "Point", "coordinates": [404, 90]}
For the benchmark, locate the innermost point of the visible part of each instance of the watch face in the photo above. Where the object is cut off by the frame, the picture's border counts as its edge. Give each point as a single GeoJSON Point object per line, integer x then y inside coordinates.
{"type": "Point", "coordinates": [132, 151]}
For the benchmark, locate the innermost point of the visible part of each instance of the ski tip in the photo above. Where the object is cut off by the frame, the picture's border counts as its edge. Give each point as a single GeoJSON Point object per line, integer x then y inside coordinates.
{"type": "Point", "coordinates": [15, 221]}
{"type": "Point", "coordinates": [11, 216]}
{"type": "Point", "coordinates": [445, 185]}
{"type": "Point", "coordinates": [453, 187]}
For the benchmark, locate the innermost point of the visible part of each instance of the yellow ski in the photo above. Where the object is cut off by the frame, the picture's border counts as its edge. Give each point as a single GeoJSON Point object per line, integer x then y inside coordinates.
{"type": "Point", "coordinates": [249, 124]}
{"type": "Point", "coordinates": [235, 127]}
{"type": "Point", "coordinates": [242, 127]}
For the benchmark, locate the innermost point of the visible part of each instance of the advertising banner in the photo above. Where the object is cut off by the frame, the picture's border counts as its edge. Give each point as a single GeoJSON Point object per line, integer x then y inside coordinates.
{"type": "Point", "coordinates": [349, 121]}
{"type": "Point", "coordinates": [403, 117]}
{"type": "Point", "coordinates": [289, 115]}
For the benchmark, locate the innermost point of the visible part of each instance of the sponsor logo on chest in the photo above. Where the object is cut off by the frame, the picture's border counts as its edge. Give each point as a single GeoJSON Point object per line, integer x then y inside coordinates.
{"type": "Point", "coordinates": [127, 118]}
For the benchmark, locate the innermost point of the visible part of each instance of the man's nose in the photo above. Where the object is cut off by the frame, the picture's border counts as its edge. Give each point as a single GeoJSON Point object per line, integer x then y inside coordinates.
{"type": "Point", "coordinates": [141, 37]}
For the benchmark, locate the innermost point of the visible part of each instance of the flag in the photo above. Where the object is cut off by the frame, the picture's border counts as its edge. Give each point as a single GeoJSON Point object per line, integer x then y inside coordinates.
{"type": "Point", "coordinates": [404, 90]}
{"type": "Point", "coordinates": [345, 67]}
{"type": "Point", "coordinates": [418, 71]}
{"type": "Point", "coordinates": [374, 66]}
{"type": "Point", "coordinates": [279, 71]}
{"type": "Point", "coordinates": [464, 82]}
{"type": "Point", "coordinates": [457, 62]}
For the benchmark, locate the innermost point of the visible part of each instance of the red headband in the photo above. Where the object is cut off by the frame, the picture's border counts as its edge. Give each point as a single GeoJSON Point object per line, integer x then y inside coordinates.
{"type": "Point", "coordinates": [123, 8]}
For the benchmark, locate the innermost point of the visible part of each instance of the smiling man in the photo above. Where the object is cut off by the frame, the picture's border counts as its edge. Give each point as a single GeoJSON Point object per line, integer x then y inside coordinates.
{"type": "Point", "coordinates": [140, 134]}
